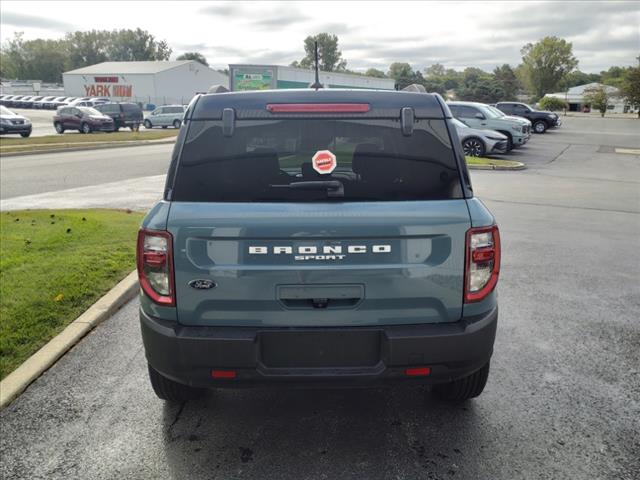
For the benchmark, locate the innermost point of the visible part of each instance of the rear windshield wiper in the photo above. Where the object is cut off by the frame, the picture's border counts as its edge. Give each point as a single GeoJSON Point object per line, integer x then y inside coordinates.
{"type": "Point", "coordinates": [334, 188]}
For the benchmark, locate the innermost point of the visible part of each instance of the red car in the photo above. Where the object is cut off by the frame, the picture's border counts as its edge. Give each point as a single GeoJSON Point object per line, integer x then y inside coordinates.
{"type": "Point", "coordinates": [83, 119]}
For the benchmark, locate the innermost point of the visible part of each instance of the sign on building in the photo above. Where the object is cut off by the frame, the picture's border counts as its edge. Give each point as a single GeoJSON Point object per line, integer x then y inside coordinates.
{"type": "Point", "coordinates": [252, 79]}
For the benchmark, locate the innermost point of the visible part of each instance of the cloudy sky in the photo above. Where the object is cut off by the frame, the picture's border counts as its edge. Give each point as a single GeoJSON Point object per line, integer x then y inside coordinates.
{"type": "Point", "coordinates": [372, 34]}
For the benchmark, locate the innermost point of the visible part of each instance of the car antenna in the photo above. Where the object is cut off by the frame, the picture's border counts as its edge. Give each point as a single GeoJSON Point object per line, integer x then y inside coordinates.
{"type": "Point", "coordinates": [317, 83]}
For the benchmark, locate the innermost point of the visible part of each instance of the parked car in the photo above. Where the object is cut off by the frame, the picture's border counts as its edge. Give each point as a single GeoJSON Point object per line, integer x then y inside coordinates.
{"type": "Point", "coordinates": [41, 104]}
{"type": "Point", "coordinates": [123, 114]}
{"type": "Point", "coordinates": [478, 143]}
{"type": "Point", "coordinates": [83, 119]}
{"type": "Point", "coordinates": [483, 117]}
{"type": "Point", "coordinates": [540, 119]}
{"type": "Point", "coordinates": [11, 103]}
{"type": "Point", "coordinates": [5, 99]}
{"type": "Point", "coordinates": [60, 102]}
{"type": "Point", "coordinates": [13, 123]}
{"type": "Point", "coordinates": [85, 103]}
{"type": "Point", "coordinates": [166, 116]}
{"type": "Point", "coordinates": [306, 243]}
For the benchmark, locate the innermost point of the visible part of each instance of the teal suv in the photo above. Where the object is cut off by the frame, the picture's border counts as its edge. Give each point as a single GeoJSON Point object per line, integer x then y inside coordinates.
{"type": "Point", "coordinates": [312, 237]}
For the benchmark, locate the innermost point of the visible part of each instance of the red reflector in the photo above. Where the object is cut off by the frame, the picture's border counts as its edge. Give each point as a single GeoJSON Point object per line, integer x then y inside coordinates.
{"type": "Point", "coordinates": [155, 259]}
{"type": "Point", "coordinates": [223, 373]}
{"type": "Point", "coordinates": [318, 107]}
{"type": "Point", "coordinates": [482, 255]}
{"type": "Point", "coordinates": [417, 371]}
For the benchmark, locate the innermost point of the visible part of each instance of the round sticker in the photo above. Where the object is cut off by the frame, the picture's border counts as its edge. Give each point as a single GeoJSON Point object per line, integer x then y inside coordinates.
{"type": "Point", "coordinates": [324, 162]}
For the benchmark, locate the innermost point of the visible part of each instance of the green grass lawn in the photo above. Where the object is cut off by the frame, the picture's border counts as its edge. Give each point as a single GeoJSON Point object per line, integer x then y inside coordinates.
{"type": "Point", "coordinates": [53, 265]}
{"type": "Point", "coordinates": [19, 144]}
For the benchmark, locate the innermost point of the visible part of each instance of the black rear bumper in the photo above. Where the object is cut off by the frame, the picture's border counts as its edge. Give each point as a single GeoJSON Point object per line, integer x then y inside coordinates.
{"type": "Point", "coordinates": [343, 356]}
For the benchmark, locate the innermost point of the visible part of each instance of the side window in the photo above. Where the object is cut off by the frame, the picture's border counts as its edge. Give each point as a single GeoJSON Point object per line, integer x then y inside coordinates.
{"type": "Point", "coordinates": [160, 111]}
{"type": "Point", "coordinates": [506, 107]}
{"type": "Point", "coordinates": [75, 111]}
{"type": "Point", "coordinates": [64, 111]}
{"type": "Point", "coordinates": [467, 112]}
{"type": "Point", "coordinates": [520, 109]}
{"type": "Point", "coordinates": [454, 110]}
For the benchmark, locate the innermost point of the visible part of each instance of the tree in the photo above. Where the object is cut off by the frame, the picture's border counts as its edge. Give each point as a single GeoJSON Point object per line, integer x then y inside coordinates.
{"type": "Point", "coordinates": [575, 78]}
{"type": "Point", "coordinates": [615, 76]}
{"type": "Point", "coordinates": [86, 48]}
{"type": "Point", "coordinates": [631, 87]}
{"type": "Point", "coordinates": [404, 75]}
{"type": "Point", "coordinates": [598, 98]}
{"type": "Point", "coordinates": [135, 45]}
{"type": "Point", "coordinates": [546, 63]}
{"type": "Point", "coordinates": [552, 103]}
{"type": "Point", "coordinates": [197, 56]}
{"type": "Point", "coordinates": [374, 72]}
{"type": "Point", "coordinates": [506, 78]}
{"type": "Point", "coordinates": [479, 86]}
{"type": "Point", "coordinates": [329, 55]}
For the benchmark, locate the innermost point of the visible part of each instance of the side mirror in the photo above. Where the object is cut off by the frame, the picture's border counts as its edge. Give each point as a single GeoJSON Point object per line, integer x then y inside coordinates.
{"type": "Point", "coordinates": [479, 116]}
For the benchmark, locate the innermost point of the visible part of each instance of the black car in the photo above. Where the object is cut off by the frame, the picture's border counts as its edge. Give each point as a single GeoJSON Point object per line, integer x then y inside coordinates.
{"type": "Point", "coordinates": [12, 123]}
{"type": "Point", "coordinates": [124, 114]}
{"type": "Point", "coordinates": [540, 119]}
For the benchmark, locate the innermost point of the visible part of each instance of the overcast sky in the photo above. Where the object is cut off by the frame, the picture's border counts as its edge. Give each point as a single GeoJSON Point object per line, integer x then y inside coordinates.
{"type": "Point", "coordinates": [372, 34]}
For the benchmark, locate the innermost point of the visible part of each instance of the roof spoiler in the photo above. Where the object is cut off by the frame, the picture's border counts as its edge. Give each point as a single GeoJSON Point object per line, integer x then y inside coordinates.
{"type": "Point", "coordinates": [415, 87]}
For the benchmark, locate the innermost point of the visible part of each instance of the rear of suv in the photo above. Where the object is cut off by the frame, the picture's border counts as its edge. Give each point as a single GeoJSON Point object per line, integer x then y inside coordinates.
{"type": "Point", "coordinates": [124, 115]}
{"type": "Point", "coordinates": [318, 237]}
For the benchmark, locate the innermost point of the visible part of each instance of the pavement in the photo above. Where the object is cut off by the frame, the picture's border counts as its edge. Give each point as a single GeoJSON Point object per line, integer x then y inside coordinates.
{"type": "Point", "coordinates": [562, 401]}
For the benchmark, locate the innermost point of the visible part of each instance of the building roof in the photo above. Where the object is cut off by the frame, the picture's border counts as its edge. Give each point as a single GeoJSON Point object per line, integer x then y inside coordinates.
{"type": "Point", "coordinates": [115, 68]}
{"type": "Point", "coordinates": [580, 89]}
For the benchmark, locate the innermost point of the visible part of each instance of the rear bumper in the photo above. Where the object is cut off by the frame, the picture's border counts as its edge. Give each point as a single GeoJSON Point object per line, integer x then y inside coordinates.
{"type": "Point", "coordinates": [340, 356]}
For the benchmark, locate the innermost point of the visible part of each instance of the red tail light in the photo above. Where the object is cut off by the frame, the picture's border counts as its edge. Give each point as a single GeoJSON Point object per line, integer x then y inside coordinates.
{"type": "Point", "coordinates": [155, 266]}
{"type": "Point", "coordinates": [482, 262]}
{"type": "Point", "coordinates": [417, 371]}
{"type": "Point", "coordinates": [223, 374]}
{"type": "Point", "coordinates": [318, 107]}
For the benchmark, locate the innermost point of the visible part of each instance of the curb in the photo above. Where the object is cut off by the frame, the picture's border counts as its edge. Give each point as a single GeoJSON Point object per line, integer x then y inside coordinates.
{"type": "Point", "coordinates": [521, 166]}
{"type": "Point", "coordinates": [81, 149]}
{"type": "Point", "coordinates": [18, 380]}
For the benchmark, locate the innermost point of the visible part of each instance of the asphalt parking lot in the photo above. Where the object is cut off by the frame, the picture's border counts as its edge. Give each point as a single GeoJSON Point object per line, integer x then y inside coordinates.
{"type": "Point", "coordinates": [562, 401]}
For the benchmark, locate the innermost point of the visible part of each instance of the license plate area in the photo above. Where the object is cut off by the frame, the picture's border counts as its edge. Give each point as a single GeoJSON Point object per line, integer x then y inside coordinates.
{"type": "Point", "coordinates": [320, 349]}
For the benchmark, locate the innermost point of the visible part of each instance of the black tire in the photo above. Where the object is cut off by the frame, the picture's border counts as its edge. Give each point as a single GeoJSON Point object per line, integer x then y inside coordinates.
{"type": "Point", "coordinates": [177, 124]}
{"type": "Point", "coordinates": [85, 128]}
{"type": "Point", "coordinates": [135, 128]}
{"type": "Point", "coordinates": [164, 126]}
{"type": "Point", "coordinates": [463, 388]}
{"type": "Point", "coordinates": [147, 124]}
{"type": "Point", "coordinates": [25, 134]}
{"type": "Point", "coordinates": [509, 140]}
{"type": "Point", "coordinates": [540, 126]}
{"type": "Point", "coordinates": [59, 128]}
{"type": "Point", "coordinates": [474, 147]}
{"type": "Point", "coordinates": [171, 391]}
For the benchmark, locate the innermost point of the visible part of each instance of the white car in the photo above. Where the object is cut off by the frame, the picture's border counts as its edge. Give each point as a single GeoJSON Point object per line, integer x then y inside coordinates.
{"type": "Point", "coordinates": [477, 143]}
{"type": "Point", "coordinates": [165, 116]}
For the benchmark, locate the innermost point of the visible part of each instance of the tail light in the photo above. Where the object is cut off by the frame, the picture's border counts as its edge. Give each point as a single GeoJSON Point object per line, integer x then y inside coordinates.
{"type": "Point", "coordinates": [155, 266]}
{"type": "Point", "coordinates": [482, 263]}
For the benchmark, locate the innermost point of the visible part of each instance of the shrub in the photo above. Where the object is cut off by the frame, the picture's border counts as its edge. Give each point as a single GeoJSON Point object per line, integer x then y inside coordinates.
{"type": "Point", "coordinates": [552, 103]}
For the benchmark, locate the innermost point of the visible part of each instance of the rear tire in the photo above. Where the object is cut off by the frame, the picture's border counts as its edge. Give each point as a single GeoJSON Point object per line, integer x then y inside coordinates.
{"type": "Point", "coordinates": [463, 388]}
{"type": "Point", "coordinates": [177, 124]}
{"type": "Point", "coordinates": [474, 147]}
{"type": "Point", "coordinates": [85, 128]}
{"type": "Point", "coordinates": [540, 126]}
{"type": "Point", "coordinates": [164, 126]}
{"type": "Point", "coordinates": [171, 391]}
{"type": "Point", "coordinates": [147, 124]}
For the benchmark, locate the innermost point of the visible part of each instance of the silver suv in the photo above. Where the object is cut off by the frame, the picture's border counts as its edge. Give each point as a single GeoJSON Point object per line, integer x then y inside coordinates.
{"type": "Point", "coordinates": [166, 116]}
{"type": "Point", "coordinates": [484, 117]}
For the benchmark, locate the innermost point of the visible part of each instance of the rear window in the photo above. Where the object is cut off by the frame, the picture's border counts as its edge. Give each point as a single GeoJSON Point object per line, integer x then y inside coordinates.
{"type": "Point", "coordinates": [109, 108]}
{"type": "Point", "coordinates": [173, 110]}
{"type": "Point", "coordinates": [271, 161]}
{"type": "Point", "coordinates": [130, 107]}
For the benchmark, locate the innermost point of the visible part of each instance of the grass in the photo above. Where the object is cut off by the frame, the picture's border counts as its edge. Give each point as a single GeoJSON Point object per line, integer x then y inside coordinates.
{"type": "Point", "coordinates": [53, 266]}
{"type": "Point", "coordinates": [491, 161]}
{"type": "Point", "coordinates": [64, 141]}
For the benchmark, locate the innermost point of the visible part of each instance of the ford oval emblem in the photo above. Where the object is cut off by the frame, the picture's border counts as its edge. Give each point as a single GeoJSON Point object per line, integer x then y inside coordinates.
{"type": "Point", "coordinates": [202, 284]}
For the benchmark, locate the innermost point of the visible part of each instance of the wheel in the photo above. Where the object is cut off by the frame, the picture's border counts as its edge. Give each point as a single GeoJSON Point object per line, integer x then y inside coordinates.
{"type": "Point", "coordinates": [116, 129]}
{"type": "Point", "coordinates": [177, 123]}
{"type": "Point", "coordinates": [540, 126]}
{"type": "Point", "coordinates": [147, 124]}
{"type": "Point", "coordinates": [169, 390]}
{"type": "Point", "coordinates": [59, 128]}
{"type": "Point", "coordinates": [463, 388]}
{"type": "Point", "coordinates": [509, 140]}
{"type": "Point", "coordinates": [473, 147]}
{"type": "Point", "coordinates": [135, 128]}
{"type": "Point", "coordinates": [164, 126]}
{"type": "Point", "coordinates": [85, 128]}
{"type": "Point", "coordinates": [25, 134]}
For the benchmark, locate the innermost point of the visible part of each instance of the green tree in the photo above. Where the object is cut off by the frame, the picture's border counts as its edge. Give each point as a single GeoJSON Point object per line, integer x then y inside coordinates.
{"type": "Point", "coordinates": [34, 59]}
{"type": "Point", "coordinates": [197, 56]}
{"type": "Point", "coordinates": [553, 104]}
{"type": "Point", "coordinates": [631, 87]}
{"type": "Point", "coordinates": [575, 78]}
{"type": "Point", "coordinates": [398, 70]}
{"type": "Point", "coordinates": [506, 78]}
{"type": "Point", "coordinates": [329, 55]}
{"type": "Point", "coordinates": [136, 45]}
{"type": "Point", "coordinates": [598, 98]}
{"type": "Point", "coordinates": [546, 63]}
{"type": "Point", "coordinates": [479, 86]}
{"type": "Point", "coordinates": [374, 72]}
{"type": "Point", "coordinates": [615, 76]}
{"type": "Point", "coordinates": [86, 48]}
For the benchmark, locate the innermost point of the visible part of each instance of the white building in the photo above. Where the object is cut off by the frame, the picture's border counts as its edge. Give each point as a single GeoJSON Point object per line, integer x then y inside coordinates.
{"type": "Point", "coordinates": [574, 97]}
{"type": "Point", "coordinates": [268, 77]}
{"type": "Point", "coordinates": [155, 83]}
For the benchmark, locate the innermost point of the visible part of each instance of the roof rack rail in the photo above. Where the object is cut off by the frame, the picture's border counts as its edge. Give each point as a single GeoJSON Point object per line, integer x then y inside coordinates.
{"type": "Point", "coordinates": [217, 89]}
{"type": "Point", "coordinates": [415, 87]}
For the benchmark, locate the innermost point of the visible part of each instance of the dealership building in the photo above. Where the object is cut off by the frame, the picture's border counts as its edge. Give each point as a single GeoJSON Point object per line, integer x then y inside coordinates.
{"type": "Point", "coordinates": [148, 83]}
{"type": "Point", "coordinates": [270, 77]}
